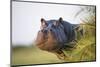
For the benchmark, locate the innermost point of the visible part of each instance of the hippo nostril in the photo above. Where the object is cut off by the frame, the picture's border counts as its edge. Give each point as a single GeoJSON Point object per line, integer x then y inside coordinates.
{"type": "Point", "coordinates": [50, 29]}
{"type": "Point", "coordinates": [41, 30]}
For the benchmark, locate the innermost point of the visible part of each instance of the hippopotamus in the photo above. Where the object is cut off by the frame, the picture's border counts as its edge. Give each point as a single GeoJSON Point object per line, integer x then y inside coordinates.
{"type": "Point", "coordinates": [53, 35]}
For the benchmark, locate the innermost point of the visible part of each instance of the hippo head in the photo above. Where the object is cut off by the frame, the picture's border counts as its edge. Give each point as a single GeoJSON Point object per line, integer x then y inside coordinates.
{"type": "Point", "coordinates": [51, 35]}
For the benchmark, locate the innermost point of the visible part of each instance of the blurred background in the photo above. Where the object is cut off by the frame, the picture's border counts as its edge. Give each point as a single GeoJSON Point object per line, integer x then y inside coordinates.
{"type": "Point", "coordinates": [26, 18]}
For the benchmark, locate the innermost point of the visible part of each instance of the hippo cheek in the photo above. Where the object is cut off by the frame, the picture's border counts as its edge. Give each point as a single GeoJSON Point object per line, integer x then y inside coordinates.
{"type": "Point", "coordinates": [41, 38]}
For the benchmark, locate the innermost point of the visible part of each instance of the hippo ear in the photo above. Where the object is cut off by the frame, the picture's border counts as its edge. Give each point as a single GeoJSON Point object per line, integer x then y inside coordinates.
{"type": "Point", "coordinates": [60, 19]}
{"type": "Point", "coordinates": [43, 21]}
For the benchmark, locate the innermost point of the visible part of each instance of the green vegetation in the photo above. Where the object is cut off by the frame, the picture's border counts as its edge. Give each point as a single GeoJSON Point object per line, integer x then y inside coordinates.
{"type": "Point", "coordinates": [85, 48]}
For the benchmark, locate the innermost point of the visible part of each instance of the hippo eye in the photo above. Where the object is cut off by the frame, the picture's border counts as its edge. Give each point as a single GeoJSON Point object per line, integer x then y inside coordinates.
{"type": "Point", "coordinates": [42, 30]}
{"type": "Point", "coordinates": [50, 29]}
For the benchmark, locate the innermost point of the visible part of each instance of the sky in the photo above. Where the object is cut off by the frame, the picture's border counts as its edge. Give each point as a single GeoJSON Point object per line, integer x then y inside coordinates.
{"type": "Point", "coordinates": [26, 19]}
